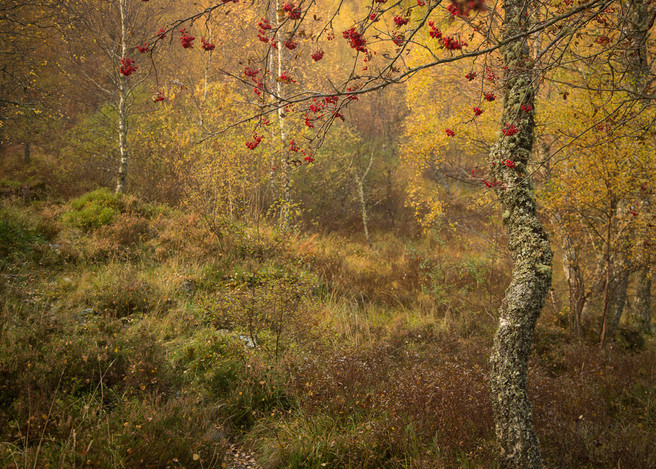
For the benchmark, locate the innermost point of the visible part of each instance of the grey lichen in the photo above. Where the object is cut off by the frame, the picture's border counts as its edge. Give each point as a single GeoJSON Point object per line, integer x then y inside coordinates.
{"type": "Point", "coordinates": [543, 269]}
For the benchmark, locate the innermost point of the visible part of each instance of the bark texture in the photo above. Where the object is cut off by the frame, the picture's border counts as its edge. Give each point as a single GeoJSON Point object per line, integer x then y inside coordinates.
{"type": "Point", "coordinates": [529, 246]}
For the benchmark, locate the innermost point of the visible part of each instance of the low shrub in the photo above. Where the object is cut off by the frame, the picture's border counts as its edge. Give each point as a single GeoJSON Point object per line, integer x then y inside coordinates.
{"type": "Point", "coordinates": [93, 210]}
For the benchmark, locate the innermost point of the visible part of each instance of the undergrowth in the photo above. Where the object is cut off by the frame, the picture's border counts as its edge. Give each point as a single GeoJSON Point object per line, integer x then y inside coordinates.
{"type": "Point", "coordinates": [134, 336]}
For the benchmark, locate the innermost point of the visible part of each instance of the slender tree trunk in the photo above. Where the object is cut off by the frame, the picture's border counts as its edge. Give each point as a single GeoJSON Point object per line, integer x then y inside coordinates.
{"type": "Point", "coordinates": [529, 246]}
{"type": "Point", "coordinates": [618, 266]}
{"type": "Point", "coordinates": [359, 181]}
{"type": "Point", "coordinates": [285, 164]}
{"type": "Point", "coordinates": [575, 284]}
{"type": "Point", "coordinates": [363, 209]}
{"type": "Point", "coordinates": [123, 107]}
{"type": "Point", "coordinates": [605, 321]}
{"type": "Point", "coordinates": [574, 275]}
{"type": "Point", "coordinates": [618, 297]}
{"type": "Point", "coordinates": [641, 311]}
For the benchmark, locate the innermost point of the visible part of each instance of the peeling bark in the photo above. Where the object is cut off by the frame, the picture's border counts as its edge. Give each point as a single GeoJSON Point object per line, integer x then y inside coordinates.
{"type": "Point", "coordinates": [529, 247]}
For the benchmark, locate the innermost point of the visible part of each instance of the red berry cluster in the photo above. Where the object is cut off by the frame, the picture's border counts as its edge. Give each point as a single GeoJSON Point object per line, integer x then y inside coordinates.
{"type": "Point", "coordinates": [291, 45]}
{"type": "Point", "coordinates": [451, 43]}
{"type": "Point", "coordinates": [143, 49]}
{"type": "Point", "coordinates": [128, 67]}
{"type": "Point", "coordinates": [161, 33]}
{"type": "Point", "coordinates": [489, 97]}
{"type": "Point", "coordinates": [527, 107]}
{"type": "Point", "coordinates": [449, 132]}
{"type": "Point", "coordinates": [285, 78]}
{"type": "Point", "coordinates": [318, 55]}
{"type": "Point", "coordinates": [477, 111]}
{"type": "Point", "coordinates": [470, 76]}
{"type": "Point", "coordinates": [356, 41]}
{"type": "Point", "coordinates": [489, 74]}
{"type": "Point", "coordinates": [206, 45]}
{"type": "Point", "coordinates": [264, 25]}
{"type": "Point", "coordinates": [186, 40]}
{"type": "Point", "coordinates": [400, 20]}
{"type": "Point", "coordinates": [434, 32]}
{"type": "Point", "coordinates": [256, 141]}
{"type": "Point", "coordinates": [249, 72]}
{"type": "Point", "coordinates": [293, 12]}
{"type": "Point", "coordinates": [509, 130]}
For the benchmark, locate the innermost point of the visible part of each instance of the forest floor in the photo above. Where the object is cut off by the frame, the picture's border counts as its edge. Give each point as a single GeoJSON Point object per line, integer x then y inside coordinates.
{"type": "Point", "coordinates": [131, 335]}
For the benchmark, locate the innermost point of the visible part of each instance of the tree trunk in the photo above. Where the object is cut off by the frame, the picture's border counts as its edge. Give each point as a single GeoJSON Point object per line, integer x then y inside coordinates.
{"type": "Point", "coordinates": [285, 163]}
{"type": "Point", "coordinates": [575, 284]}
{"type": "Point", "coordinates": [359, 181]}
{"type": "Point", "coordinates": [641, 311]}
{"type": "Point", "coordinates": [574, 275]}
{"type": "Point", "coordinates": [123, 107]}
{"type": "Point", "coordinates": [617, 301]}
{"type": "Point", "coordinates": [529, 246]}
{"type": "Point", "coordinates": [640, 22]}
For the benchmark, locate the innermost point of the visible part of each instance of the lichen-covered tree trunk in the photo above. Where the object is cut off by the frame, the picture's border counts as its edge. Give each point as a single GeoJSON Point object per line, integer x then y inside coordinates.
{"type": "Point", "coordinates": [123, 106]}
{"type": "Point", "coordinates": [529, 246]}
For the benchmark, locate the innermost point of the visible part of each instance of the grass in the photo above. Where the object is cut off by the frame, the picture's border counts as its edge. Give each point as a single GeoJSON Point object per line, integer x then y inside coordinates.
{"type": "Point", "coordinates": [126, 344]}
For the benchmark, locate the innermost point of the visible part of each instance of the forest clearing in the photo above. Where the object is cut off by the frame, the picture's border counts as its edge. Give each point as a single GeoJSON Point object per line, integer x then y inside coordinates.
{"type": "Point", "coordinates": [324, 233]}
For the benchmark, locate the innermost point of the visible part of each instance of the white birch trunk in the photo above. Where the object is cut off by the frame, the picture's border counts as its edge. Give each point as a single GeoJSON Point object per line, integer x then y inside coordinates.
{"type": "Point", "coordinates": [123, 106]}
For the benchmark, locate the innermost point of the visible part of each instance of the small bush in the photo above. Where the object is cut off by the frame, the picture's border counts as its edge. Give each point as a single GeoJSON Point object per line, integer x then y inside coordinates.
{"type": "Point", "coordinates": [100, 207]}
{"type": "Point", "coordinates": [93, 210]}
